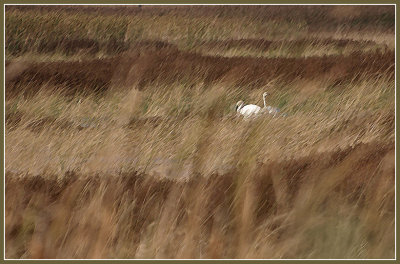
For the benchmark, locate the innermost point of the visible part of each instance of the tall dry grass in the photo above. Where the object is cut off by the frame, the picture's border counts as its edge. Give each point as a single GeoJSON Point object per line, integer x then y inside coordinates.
{"type": "Point", "coordinates": [141, 155]}
{"type": "Point", "coordinates": [193, 141]}
{"type": "Point", "coordinates": [99, 31]}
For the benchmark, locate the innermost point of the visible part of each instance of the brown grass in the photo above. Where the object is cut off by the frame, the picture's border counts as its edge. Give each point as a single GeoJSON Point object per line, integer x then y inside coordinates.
{"type": "Point", "coordinates": [137, 153]}
{"type": "Point", "coordinates": [164, 66]}
{"type": "Point", "coordinates": [194, 219]}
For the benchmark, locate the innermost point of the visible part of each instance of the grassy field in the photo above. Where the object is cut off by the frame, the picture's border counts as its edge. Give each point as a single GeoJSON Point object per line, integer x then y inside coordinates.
{"type": "Point", "coordinates": [122, 139]}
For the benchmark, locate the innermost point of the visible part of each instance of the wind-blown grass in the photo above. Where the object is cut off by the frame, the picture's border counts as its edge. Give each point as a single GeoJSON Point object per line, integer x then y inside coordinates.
{"type": "Point", "coordinates": [141, 154]}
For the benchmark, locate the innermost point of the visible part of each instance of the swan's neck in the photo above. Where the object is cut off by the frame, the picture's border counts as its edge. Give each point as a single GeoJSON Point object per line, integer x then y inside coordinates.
{"type": "Point", "coordinates": [239, 107]}
{"type": "Point", "coordinates": [265, 105]}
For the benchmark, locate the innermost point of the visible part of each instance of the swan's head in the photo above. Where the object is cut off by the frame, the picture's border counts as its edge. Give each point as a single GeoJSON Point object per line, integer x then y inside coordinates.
{"type": "Point", "coordinates": [239, 105]}
{"type": "Point", "coordinates": [265, 94]}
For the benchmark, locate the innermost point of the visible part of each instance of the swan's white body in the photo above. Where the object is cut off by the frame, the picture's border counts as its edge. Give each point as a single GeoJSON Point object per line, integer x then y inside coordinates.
{"type": "Point", "coordinates": [254, 110]}
{"type": "Point", "coordinates": [248, 110]}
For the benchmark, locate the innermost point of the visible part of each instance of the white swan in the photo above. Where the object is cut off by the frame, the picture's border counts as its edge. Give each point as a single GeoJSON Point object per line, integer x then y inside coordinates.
{"type": "Point", "coordinates": [252, 110]}
{"type": "Point", "coordinates": [247, 110]}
